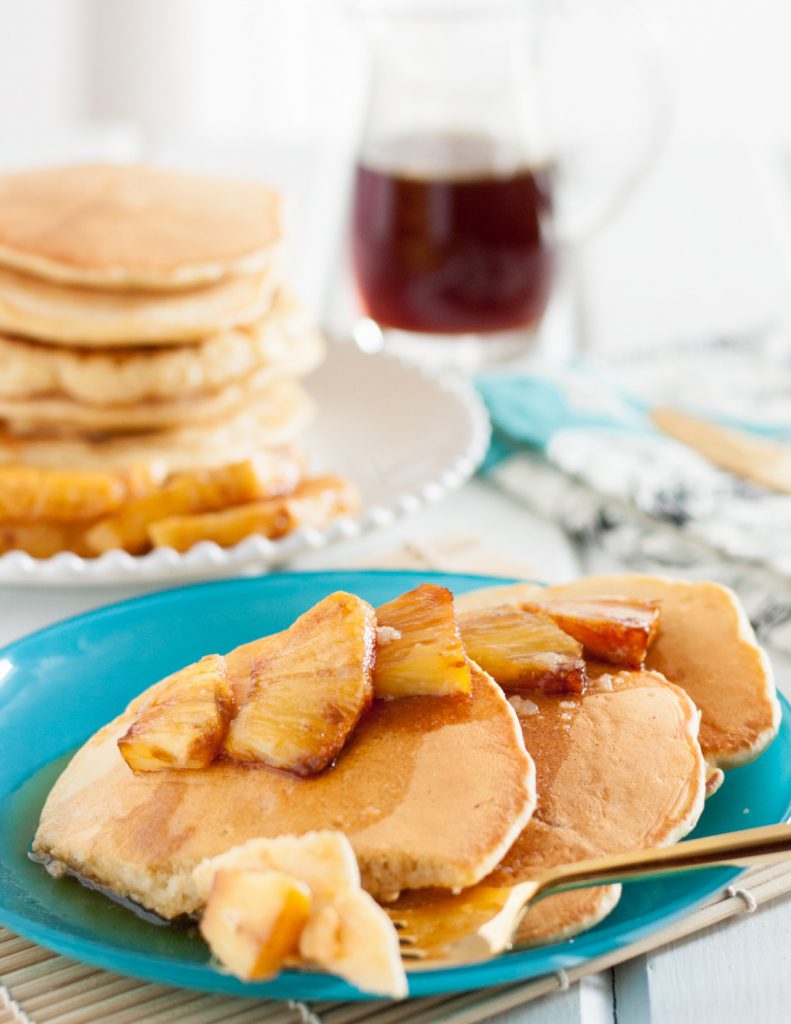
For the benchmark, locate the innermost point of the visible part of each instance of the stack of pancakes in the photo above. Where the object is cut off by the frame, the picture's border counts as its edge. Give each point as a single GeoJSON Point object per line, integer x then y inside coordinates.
{"type": "Point", "coordinates": [144, 318]}
{"type": "Point", "coordinates": [145, 322]}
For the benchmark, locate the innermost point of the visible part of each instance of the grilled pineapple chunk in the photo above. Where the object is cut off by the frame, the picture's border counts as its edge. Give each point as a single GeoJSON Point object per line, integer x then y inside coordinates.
{"type": "Point", "coordinates": [323, 860]}
{"type": "Point", "coordinates": [309, 686]}
{"type": "Point", "coordinates": [314, 503]}
{"type": "Point", "coordinates": [253, 920]}
{"type": "Point", "coordinates": [617, 630]}
{"type": "Point", "coordinates": [353, 937]}
{"type": "Point", "coordinates": [523, 651]}
{"type": "Point", "coordinates": [183, 721]}
{"type": "Point", "coordinates": [42, 540]}
{"type": "Point", "coordinates": [265, 476]}
{"type": "Point", "coordinates": [420, 651]}
{"type": "Point", "coordinates": [31, 494]}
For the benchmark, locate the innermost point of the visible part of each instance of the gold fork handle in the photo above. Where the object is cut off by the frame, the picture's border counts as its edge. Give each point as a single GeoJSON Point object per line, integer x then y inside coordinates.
{"type": "Point", "coordinates": [766, 844]}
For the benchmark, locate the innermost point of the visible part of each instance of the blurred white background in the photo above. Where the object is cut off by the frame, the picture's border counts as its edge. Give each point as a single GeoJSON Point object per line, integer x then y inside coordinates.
{"type": "Point", "coordinates": [290, 69]}
{"type": "Point", "coordinates": [235, 82]}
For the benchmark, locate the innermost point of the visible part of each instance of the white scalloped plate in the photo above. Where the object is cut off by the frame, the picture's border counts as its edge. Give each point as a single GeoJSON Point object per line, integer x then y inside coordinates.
{"type": "Point", "coordinates": [403, 436]}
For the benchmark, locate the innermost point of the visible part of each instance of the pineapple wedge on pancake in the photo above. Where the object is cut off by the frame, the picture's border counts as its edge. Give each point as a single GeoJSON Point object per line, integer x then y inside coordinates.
{"type": "Point", "coordinates": [431, 791]}
{"type": "Point", "coordinates": [617, 769]}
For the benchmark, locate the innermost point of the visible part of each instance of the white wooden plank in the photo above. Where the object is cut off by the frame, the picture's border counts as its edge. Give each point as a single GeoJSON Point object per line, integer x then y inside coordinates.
{"type": "Point", "coordinates": [631, 992]}
{"type": "Point", "coordinates": [740, 971]}
{"type": "Point", "coordinates": [731, 973]}
{"type": "Point", "coordinates": [589, 1002]}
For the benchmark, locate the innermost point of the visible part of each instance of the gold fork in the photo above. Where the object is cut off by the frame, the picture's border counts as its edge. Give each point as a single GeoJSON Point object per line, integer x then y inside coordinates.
{"type": "Point", "coordinates": [448, 930]}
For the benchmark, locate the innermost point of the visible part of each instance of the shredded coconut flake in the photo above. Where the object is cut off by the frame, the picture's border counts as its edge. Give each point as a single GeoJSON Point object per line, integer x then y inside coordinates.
{"type": "Point", "coordinates": [56, 868]}
{"type": "Point", "coordinates": [385, 634]}
{"type": "Point", "coordinates": [523, 706]}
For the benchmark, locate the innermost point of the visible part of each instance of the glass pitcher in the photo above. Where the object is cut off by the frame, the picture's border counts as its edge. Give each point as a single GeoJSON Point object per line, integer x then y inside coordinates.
{"type": "Point", "coordinates": [471, 173]}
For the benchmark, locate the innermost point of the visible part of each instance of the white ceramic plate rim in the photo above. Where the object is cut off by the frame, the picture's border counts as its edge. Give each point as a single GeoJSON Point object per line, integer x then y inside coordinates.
{"type": "Point", "coordinates": [256, 553]}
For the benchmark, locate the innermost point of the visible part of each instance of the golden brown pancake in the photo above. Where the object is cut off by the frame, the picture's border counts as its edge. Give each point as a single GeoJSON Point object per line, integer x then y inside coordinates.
{"type": "Point", "coordinates": [429, 790]}
{"type": "Point", "coordinates": [286, 339]}
{"type": "Point", "coordinates": [274, 422]}
{"type": "Point", "coordinates": [705, 644]}
{"type": "Point", "coordinates": [134, 226]}
{"type": "Point", "coordinates": [67, 315]}
{"type": "Point", "coordinates": [207, 407]}
{"type": "Point", "coordinates": [617, 769]}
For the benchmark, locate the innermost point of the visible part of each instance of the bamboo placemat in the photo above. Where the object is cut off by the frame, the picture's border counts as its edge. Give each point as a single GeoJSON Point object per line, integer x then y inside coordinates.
{"type": "Point", "coordinates": [40, 987]}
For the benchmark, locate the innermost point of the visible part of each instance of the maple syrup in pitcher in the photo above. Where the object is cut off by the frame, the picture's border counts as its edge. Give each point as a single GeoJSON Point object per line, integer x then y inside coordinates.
{"type": "Point", "coordinates": [452, 235]}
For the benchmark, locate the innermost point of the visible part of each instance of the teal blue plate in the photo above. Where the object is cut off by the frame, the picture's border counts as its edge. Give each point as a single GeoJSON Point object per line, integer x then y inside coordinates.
{"type": "Point", "coordinates": [59, 685]}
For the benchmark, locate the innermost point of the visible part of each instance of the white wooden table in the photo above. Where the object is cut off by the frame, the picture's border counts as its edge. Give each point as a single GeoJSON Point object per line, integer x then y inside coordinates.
{"type": "Point", "coordinates": [664, 269]}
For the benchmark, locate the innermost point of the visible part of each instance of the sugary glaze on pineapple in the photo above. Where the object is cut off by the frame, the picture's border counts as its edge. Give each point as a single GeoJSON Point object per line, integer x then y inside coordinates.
{"type": "Point", "coordinates": [429, 790]}
{"type": "Point", "coordinates": [617, 769]}
{"type": "Point", "coordinates": [523, 651]}
{"type": "Point", "coordinates": [612, 628]}
{"type": "Point", "coordinates": [420, 649]}
{"type": "Point", "coordinates": [308, 687]}
{"type": "Point", "coordinates": [184, 722]}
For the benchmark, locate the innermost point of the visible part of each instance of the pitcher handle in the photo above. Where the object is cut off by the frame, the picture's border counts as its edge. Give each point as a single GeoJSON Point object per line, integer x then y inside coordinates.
{"type": "Point", "coordinates": [606, 128]}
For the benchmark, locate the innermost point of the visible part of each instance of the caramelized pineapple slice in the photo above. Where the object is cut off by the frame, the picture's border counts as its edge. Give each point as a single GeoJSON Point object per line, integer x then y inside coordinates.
{"type": "Point", "coordinates": [315, 503]}
{"type": "Point", "coordinates": [353, 937]}
{"type": "Point", "coordinates": [42, 540]}
{"type": "Point", "coordinates": [323, 860]}
{"type": "Point", "coordinates": [617, 630]}
{"type": "Point", "coordinates": [309, 686]}
{"type": "Point", "coordinates": [523, 651]}
{"type": "Point", "coordinates": [269, 474]}
{"type": "Point", "coordinates": [183, 722]}
{"type": "Point", "coordinates": [253, 920]}
{"type": "Point", "coordinates": [419, 650]}
{"type": "Point", "coordinates": [31, 494]}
